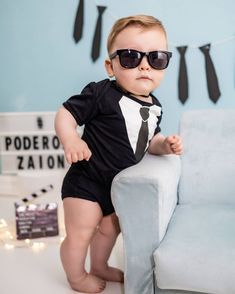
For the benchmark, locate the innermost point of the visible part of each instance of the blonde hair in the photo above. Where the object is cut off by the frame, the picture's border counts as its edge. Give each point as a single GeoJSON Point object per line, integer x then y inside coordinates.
{"type": "Point", "coordinates": [144, 21]}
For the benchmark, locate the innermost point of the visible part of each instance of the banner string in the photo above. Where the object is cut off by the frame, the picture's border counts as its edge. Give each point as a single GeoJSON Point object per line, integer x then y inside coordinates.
{"type": "Point", "coordinates": [193, 46]}
{"type": "Point", "coordinates": [219, 42]}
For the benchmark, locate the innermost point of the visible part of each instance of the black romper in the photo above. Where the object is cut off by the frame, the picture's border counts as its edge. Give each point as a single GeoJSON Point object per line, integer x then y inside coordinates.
{"type": "Point", "coordinates": [112, 122]}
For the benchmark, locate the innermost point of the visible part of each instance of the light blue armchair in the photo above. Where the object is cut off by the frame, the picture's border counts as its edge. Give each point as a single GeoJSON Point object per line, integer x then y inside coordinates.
{"type": "Point", "coordinates": [177, 215]}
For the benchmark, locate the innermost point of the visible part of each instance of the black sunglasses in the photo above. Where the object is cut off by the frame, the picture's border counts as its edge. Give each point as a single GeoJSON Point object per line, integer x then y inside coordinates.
{"type": "Point", "coordinates": [130, 58]}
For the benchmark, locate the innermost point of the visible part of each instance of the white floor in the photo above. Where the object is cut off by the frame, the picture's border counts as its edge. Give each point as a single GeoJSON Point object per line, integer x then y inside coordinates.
{"type": "Point", "coordinates": [35, 267]}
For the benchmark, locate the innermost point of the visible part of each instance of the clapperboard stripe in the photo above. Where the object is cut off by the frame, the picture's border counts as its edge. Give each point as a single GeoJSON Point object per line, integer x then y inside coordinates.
{"type": "Point", "coordinates": [34, 195]}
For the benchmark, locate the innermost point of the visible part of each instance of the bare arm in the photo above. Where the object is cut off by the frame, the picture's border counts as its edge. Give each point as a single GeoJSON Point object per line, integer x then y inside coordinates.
{"type": "Point", "coordinates": [161, 145]}
{"type": "Point", "coordinates": [75, 148]}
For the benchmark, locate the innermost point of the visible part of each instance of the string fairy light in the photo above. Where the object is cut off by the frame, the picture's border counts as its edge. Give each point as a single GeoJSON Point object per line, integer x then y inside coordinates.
{"type": "Point", "coordinates": [9, 242]}
{"type": "Point", "coordinates": [8, 233]}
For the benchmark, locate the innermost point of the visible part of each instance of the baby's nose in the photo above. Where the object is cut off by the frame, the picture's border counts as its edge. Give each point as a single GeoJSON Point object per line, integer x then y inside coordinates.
{"type": "Point", "coordinates": [144, 65]}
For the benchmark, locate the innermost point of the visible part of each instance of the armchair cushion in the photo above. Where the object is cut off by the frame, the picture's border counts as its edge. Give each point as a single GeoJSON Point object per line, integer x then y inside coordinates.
{"type": "Point", "coordinates": [208, 161]}
{"type": "Point", "coordinates": [198, 251]}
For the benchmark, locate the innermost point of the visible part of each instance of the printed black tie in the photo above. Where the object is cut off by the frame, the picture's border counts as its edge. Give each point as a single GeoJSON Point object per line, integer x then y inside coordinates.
{"type": "Point", "coordinates": [143, 134]}
{"type": "Point", "coordinates": [183, 75]}
{"type": "Point", "coordinates": [78, 24]}
{"type": "Point", "coordinates": [95, 52]}
{"type": "Point", "coordinates": [212, 81]}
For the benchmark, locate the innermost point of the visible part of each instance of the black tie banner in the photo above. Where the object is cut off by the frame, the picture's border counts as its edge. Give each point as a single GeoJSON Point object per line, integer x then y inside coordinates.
{"type": "Point", "coordinates": [212, 81]}
{"type": "Point", "coordinates": [95, 51]}
{"type": "Point", "coordinates": [78, 24]}
{"type": "Point", "coordinates": [183, 84]}
{"type": "Point", "coordinates": [183, 75]}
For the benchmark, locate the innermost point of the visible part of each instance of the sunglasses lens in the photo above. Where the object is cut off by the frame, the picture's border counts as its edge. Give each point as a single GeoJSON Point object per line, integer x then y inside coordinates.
{"type": "Point", "coordinates": [130, 59]}
{"type": "Point", "coordinates": [158, 59]}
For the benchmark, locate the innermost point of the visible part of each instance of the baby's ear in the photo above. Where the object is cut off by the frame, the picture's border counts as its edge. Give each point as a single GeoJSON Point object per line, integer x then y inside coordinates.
{"type": "Point", "coordinates": [109, 67]}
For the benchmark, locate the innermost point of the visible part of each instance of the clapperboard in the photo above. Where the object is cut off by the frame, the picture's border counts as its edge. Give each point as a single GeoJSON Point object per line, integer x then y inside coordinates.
{"type": "Point", "coordinates": [36, 220]}
{"type": "Point", "coordinates": [28, 142]}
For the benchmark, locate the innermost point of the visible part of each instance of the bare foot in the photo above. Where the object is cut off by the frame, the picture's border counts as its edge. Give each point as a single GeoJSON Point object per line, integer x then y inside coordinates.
{"type": "Point", "coordinates": [88, 284]}
{"type": "Point", "coordinates": [109, 273]}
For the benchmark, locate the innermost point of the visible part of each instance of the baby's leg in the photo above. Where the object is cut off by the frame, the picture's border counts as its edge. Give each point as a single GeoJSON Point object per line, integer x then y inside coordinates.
{"type": "Point", "coordinates": [101, 247]}
{"type": "Point", "coordinates": [81, 220]}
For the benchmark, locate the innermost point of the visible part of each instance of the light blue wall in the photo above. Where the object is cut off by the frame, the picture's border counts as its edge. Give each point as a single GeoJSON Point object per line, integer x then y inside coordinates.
{"type": "Point", "coordinates": [41, 66]}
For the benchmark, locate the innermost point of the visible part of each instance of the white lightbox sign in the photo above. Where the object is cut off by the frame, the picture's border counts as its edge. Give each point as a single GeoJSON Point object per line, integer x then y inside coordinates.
{"type": "Point", "coordinates": [28, 142]}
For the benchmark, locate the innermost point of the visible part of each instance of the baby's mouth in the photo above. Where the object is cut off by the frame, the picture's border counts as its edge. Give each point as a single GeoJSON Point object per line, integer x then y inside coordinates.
{"type": "Point", "coordinates": [144, 78]}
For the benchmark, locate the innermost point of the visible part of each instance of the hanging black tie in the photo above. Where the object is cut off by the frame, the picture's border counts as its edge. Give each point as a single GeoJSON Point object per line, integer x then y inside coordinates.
{"type": "Point", "coordinates": [78, 24]}
{"type": "Point", "coordinates": [95, 51]}
{"type": "Point", "coordinates": [183, 75]}
{"type": "Point", "coordinates": [212, 81]}
{"type": "Point", "coordinates": [143, 134]}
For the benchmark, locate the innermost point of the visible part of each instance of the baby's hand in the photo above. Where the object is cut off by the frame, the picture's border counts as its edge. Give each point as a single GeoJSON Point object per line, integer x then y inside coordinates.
{"type": "Point", "coordinates": [174, 144]}
{"type": "Point", "coordinates": [76, 149]}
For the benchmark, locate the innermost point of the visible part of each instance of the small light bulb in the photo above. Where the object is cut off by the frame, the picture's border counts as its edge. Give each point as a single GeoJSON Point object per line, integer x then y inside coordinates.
{"type": "Point", "coordinates": [9, 246]}
{"type": "Point", "coordinates": [3, 223]}
{"type": "Point", "coordinates": [27, 241]}
{"type": "Point", "coordinates": [38, 246]}
{"type": "Point", "coordinates": [8, 233]}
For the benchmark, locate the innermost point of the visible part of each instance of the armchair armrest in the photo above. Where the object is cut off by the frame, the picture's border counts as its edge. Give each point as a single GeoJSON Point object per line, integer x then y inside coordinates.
{"type": "Point", "coordinates": [144, 197]}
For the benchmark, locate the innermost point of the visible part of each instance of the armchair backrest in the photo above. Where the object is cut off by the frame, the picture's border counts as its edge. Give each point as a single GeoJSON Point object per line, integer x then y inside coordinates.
{"type": "Point", "coordinates": [208, 162]}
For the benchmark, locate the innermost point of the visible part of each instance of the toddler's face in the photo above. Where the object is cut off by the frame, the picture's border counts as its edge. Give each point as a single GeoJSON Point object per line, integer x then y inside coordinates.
{"type": "Point", "coordinates": [142, 79]}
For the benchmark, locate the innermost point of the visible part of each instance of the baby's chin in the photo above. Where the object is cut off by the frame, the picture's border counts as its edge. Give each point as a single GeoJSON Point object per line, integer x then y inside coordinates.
{"type": "Point", "coordinates": [145, 85]}
{"type": "Point", "coordinates": [139, 87]}
{"type": "Point", "coordinates": [143, 91]}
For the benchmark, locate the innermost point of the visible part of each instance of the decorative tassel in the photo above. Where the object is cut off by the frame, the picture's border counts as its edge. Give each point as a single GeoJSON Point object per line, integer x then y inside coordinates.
{"type": "Point", "coordinates": [183, 75]}
{"type": "Point", "coordinates": [212, 81]}
{"type": "Point", "coordinates": [78, 24]}
{"type": "Point", "coordinates": [95, 52]}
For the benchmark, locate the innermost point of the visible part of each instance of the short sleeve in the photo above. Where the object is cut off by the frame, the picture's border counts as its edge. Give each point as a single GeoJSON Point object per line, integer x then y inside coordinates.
{"type": "Point", "coordinates": [83, 107]}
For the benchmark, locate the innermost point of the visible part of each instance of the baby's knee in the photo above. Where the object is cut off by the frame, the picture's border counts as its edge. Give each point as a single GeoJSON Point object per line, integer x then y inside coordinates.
{"type": "Point", "coordinates": [110, 226]}
{"type": "Point", "coordinates": [115, 222]}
